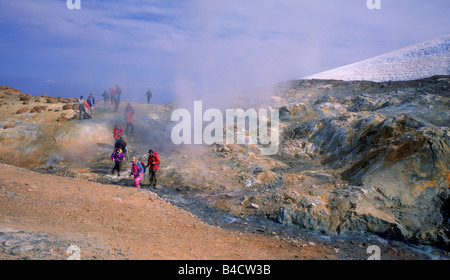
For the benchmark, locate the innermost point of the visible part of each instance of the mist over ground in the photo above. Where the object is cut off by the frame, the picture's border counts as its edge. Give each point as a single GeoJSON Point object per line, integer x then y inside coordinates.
{"type": "Point", "coordinates": [198, 50]}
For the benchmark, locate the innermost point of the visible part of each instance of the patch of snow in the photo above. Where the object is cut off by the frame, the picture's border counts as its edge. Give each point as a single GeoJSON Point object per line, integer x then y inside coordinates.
{"type": "Point", "coordinates": [418, 61]}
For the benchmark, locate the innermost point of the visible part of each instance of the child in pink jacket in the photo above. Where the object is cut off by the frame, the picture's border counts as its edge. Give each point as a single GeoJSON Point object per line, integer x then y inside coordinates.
{"type": "Point", "coordinates": [138, 171]}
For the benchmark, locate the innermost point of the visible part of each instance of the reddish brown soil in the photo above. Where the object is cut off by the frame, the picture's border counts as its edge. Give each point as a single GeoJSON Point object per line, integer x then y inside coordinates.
{"type": "Point", "coordinates": [114, 222]}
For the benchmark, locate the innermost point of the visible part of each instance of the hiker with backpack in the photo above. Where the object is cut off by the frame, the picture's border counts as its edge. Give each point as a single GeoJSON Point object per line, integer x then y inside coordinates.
{"type": "Point", "coordinates": [117, 132]}
{"type": "Point", "coordinates": [137, 170]}
{"type": "Point", "coordinates": [129, 108]}
{"type": "Point", "coordinates": [153, 162]}
{"type": "Point", "coordinates": [81, 107]}
{"type": "Point", "coordinates": [91, 103]}
{"type": "Point", "coordinates": [129, 119]}
{"type": "Point", "coordinates": [121, 143]}
{"type": "Point", "coordinates": [117, 157]}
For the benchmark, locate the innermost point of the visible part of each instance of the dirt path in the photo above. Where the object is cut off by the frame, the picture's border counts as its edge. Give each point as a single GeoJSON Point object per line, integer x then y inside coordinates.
{"type": "Point", "coordinates": [41, 215]}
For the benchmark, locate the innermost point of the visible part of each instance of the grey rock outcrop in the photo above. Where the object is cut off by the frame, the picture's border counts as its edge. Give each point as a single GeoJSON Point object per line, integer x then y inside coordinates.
{"type": "Point", "coordinates": [389, 153]}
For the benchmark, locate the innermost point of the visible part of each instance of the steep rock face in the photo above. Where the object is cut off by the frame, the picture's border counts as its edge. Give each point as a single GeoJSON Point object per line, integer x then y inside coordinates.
{"type": "Point", "coordinates": [388, 157]}
{"type": "Point", "coordinates": [398, 181]}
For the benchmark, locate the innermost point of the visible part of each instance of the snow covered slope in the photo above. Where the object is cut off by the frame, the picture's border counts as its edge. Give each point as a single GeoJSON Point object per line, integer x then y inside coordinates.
{"type": "Point", "coordinates": [422, 60]}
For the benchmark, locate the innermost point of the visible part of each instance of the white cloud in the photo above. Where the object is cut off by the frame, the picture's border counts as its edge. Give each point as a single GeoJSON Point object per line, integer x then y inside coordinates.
{"type": "Point", "coordinates": [210, 47]}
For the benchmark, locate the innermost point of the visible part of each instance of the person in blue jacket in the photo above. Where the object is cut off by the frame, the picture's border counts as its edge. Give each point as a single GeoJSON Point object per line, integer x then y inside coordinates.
{"type": "Point", "coordinates": [91, 103]}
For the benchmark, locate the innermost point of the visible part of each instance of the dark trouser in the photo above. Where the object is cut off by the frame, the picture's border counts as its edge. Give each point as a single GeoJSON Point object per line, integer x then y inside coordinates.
{"type": "Point", "coordinates": [152, 174]}
{"type": "Point", "coordinates": [82, 111]}
{"type": "Point", "coordinates": [128, 126]}
{"type": "Point", "coordinates": [106, 101]}
{"type": "Point", "coordinates": [116, 167]}
{"type": "Point", "coordinates": [116, 105]}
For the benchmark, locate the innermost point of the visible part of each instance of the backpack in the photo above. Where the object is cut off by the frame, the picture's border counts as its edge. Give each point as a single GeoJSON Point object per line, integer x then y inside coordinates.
{"type": "Point", "coordinates": [139, 166]}
{"type": "Point", "coordinates": [122, 145]}
{"type": "Point", "coordinates": [154, 157]}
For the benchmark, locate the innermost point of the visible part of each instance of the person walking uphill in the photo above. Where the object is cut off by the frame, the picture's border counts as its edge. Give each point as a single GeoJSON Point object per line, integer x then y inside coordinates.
{"type": "Point", "coordinates": [153, 161]}
{"type": "Point", "coordinates": [138, 171]}
{"type": "Point", "coordinates": [117, 157]}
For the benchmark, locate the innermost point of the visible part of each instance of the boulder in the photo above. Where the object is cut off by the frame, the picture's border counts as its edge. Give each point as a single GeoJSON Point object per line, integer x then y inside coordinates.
{"type": "Point", "coordinates": [25, 97]}
{"type": "Point", "coordinates": [68, 107]}
{"type": "Point", "coordinates": [62, 119]}
{"type": "Point", "coordinates": [293, 110]}
{"type": "Point", "coordinates": [22, 110]}
{"type": "Point", "coordinates": [40, 109]}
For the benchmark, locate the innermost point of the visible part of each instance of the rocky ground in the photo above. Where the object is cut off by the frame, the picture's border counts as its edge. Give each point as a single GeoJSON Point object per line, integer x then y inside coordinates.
{"type": "Point", "coordinates": [357, 160]}
{"type": "Point", "coordinates": [43, 215]}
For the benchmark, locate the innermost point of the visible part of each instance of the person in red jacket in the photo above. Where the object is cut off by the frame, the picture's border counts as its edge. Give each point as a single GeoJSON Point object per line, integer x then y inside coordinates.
{"type": "Point", "coordinates": [112, 93]}
{"type": "Point", "coordinates": [117, 132]}
{"type": "Point", "coordinates": [130, 116]}
{"type": "Point", "coordinates": [153, 162]}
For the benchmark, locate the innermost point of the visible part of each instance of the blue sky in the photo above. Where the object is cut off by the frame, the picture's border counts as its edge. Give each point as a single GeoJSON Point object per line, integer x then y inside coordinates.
{"type": "Point", "coordinates": [193, 49]}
